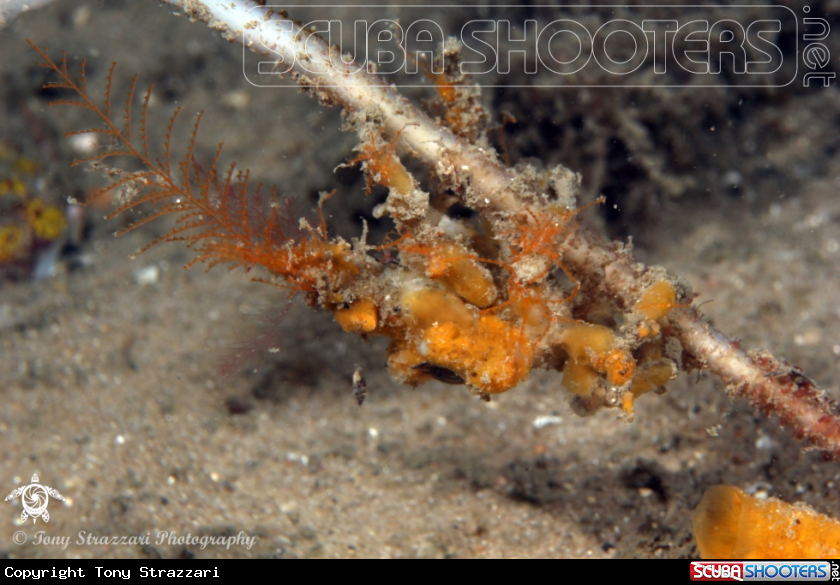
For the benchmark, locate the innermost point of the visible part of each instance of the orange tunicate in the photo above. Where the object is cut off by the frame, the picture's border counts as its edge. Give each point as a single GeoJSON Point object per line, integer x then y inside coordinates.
{"type": "Point", "coordinates": [590, 349]}
{"type": "Point", "coordinates": [395, 176]}
{"type": "Point", "coordinates": [445, 88]}
{"type": "Point", "coordinates": [657, 300]}
{"type": "Point", "coordinates": [628, 402]}
{"type": "Point", "coordinates": [452, 263]}
{"type": "Point", "coordinates": [620, 367]}
{"type": "Point", "coordinates": [425, 307]}
{"type": "Point", "coordinates": [384, 163]}
{"type": "Point", "coordinates": [579, 375]}
{"type": "Point", "coordinates": [534, 314]}
{"type": "Point", "coordinates": [647, 378]}
{"type": "Point", "coordinates": [729, 524]}
{"type": "Point", "coordinates": [581, 338]}
{"type": "Point", "coordinates": [648, 328]}
{"type": "Point", "coordinates": [488, 353]}
{"type": "Point", "coordinates": [359, 317]}
{"type": "Point", "coordinates": [579, 379]}
{"type": "Point", "coordinates": [340, 259]}
{"type": "Point", "coordinates": [652, 376]}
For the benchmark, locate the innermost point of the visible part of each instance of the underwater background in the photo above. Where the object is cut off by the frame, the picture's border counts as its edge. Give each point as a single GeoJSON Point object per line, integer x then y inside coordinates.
{"type": "Point", "coordinates": [111, 369]}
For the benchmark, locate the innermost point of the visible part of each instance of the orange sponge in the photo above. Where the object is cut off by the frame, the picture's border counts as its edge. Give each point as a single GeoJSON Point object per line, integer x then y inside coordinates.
{"type": "Point", "coordinates": [485, 351]}
{"type": "Point", "coordinates": [729, 524]}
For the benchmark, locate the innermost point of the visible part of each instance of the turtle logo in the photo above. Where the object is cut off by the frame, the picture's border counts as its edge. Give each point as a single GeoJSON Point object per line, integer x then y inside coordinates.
{"type": "Point", "coordinates": [35, 498]}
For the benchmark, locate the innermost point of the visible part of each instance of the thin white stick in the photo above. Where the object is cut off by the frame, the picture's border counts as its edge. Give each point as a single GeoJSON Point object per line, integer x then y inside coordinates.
{"type": "Point", "coordinates": [355, 89]}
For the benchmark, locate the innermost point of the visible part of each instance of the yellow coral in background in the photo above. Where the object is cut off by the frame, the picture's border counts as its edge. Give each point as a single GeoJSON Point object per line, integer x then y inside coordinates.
{"type": "Point", "coordinates": [13, 243]}
{"type": "Point", "coordinates": [13, 186]}
{"type": "Point", "coordinates": [29, 220]}
{"type": "Point", "coordinates": [27, 166]}
{"type": "Point", "coordinates": [47, 221]}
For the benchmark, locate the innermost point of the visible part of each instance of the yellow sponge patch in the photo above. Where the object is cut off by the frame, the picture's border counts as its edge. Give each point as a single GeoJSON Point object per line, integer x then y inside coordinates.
{"type": "Point", "coordinates": [729, 524]}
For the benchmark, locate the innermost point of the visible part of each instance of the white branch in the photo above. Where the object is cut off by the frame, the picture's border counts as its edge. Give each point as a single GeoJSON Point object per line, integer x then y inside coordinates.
{"type": "Point", "coordinates": [269, 33]}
